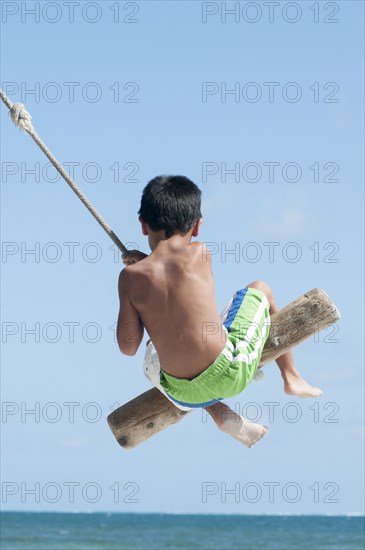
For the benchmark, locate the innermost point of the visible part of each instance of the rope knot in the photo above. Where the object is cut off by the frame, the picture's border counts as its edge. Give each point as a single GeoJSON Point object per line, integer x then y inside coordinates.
{"type": "Point", "coordinates": [20, 116]}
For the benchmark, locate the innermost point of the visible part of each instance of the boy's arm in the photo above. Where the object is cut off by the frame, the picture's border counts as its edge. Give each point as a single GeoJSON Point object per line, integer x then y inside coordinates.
{"type": "Point", "coordinates": [129, 327]}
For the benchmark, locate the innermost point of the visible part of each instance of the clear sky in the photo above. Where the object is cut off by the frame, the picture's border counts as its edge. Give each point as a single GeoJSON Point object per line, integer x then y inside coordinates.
{"type": "Point", "coordinates": [121, 92]}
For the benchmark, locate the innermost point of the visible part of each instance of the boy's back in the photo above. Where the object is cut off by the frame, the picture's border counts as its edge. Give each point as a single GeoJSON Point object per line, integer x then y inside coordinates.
{"type": "Point", "coordinates": [172, 290]}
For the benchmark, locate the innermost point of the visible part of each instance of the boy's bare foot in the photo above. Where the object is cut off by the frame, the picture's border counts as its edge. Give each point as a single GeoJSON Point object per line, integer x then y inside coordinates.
{"type": "Point", "coordinates": [296, 385]}
{"type": "Point", "coordinates": [247, 433]}
{"type": "Point", "coordinates": [229, 422]}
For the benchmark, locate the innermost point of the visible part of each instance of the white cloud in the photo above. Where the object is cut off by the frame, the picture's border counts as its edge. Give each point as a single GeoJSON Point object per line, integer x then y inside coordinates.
{"type": "Point", "coordinates": [280, 221]}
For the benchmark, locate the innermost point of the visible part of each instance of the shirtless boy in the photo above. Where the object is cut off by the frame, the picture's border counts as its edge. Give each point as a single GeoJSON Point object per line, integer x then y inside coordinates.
{"type": "Point", "coordinates": [202, 357]}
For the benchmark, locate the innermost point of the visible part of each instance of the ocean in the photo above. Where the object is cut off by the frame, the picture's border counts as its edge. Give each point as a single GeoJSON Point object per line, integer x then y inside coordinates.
{"type": "Point", "coordinates": [118, 531]}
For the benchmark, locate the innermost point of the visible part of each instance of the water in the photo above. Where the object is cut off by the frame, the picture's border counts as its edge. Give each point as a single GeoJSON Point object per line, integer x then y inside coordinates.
{"type": "Point", "coordinates": [99, 531]}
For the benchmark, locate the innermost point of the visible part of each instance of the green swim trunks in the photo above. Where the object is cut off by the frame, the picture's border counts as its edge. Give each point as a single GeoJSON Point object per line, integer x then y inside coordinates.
{"type": "Point", "coordinates": [247, 322]}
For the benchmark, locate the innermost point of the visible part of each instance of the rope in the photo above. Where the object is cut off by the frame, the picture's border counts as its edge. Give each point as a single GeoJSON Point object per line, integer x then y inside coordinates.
{"type": "Point", "coordinates": [23, 120]}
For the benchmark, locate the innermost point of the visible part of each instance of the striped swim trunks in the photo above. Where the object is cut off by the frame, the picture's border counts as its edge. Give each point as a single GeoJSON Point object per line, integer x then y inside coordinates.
{"type": "Point", "coordinates": [246, 320]}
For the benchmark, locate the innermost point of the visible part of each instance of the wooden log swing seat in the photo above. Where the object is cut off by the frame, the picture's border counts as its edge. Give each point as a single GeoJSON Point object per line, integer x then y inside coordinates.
{"type": "Point", "coordinates": [151, 412]}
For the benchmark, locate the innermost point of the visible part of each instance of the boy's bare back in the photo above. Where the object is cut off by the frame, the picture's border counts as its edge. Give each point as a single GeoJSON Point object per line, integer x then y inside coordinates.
{"type": "Point", "coordinates": [171, 294]}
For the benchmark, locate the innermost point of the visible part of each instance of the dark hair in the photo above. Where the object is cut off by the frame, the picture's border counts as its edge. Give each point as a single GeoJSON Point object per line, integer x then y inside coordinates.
{"type": "Point", "coordinates": [171, 203]}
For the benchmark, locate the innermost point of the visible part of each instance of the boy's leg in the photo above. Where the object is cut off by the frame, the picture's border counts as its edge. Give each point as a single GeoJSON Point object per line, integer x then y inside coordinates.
{"type": "Point", "coordinates": [235, 425]}
{"type": "Point", "coordinates": [294, 384]}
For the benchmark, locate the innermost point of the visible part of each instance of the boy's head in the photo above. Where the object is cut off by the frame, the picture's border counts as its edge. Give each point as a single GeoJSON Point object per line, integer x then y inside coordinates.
{"type": "Point", "coordinates": [170, 203]}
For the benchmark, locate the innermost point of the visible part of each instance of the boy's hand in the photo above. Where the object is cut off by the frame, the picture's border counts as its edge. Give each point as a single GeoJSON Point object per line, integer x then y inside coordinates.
{"type": "Point", "coordinates": [133, 256]}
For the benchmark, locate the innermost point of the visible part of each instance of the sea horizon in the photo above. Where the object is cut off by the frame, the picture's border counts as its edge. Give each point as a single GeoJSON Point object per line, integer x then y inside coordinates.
{"type": "Point", "coordinates": [327, 514]}
{"type": "Point", "coordinates": [118, 530]}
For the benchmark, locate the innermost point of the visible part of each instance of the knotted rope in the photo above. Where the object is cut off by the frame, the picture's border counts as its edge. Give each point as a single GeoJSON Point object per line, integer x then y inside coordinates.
{"type": "Point", "coordinates": [23, 120]}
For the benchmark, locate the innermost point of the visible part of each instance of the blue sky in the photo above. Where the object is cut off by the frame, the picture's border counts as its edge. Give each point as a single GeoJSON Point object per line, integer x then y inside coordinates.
{"type": "Point", "coordinates": [138, 110]}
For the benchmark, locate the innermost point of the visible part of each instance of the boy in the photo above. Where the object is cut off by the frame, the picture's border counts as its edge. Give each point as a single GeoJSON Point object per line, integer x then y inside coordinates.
{"type": "Point", "coordinates": [202, 357]}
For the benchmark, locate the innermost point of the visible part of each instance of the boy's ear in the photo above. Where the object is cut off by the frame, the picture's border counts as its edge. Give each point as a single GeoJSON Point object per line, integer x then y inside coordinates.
{"type": "Point", "coordinates": [196, 227]}
{"type": "Point", "coordinates": [144, 226]}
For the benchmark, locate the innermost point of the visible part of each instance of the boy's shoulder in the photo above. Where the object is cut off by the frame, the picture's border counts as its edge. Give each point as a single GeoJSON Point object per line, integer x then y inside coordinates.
{"type": "Point", "coordinates": [196, 245]}
{"type": "Point", "coordinates": [196, 250]}
{"type": "Point", "coordinates": [127, 275]}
